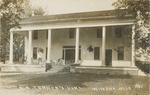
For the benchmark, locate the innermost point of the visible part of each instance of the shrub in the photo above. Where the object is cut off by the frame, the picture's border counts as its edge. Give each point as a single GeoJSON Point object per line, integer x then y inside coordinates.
{"type": "Point", "coordinates": [143, 66]}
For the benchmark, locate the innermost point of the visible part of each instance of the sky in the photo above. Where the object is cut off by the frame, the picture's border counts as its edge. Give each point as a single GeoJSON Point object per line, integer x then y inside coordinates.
{"type": "Point", "coordinates": [72, 6]}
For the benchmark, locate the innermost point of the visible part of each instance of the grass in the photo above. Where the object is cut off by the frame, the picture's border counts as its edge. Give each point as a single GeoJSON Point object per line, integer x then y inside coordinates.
{"type": "Point", "coordinates": [75, 84]}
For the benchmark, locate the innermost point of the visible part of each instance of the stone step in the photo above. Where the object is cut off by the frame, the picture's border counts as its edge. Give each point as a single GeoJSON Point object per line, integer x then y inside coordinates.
{"type": "Point", "coordinates": [59, 68]}
{"type": "Point", "coordinates": [65, 69]}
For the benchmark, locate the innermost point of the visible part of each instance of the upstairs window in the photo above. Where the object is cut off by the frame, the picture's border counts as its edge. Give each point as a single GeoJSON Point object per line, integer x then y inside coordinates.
{"type": "Point", "coordinates": [120, 53]}
{"type": "Point", "coordinates": [99, 33]}
{"type": "Point", "coordinates": [46, 34]}
{"type": "Point", "coordinates": [35, 34]}
{"type": "Point", "coordinates": [118, 32]}
{"type": "Point", "coordinates": [71, 33]}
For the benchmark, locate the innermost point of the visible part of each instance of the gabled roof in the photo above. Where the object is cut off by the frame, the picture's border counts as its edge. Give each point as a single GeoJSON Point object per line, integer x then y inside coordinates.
{"type": "Point", "coordinates": [73, 16]}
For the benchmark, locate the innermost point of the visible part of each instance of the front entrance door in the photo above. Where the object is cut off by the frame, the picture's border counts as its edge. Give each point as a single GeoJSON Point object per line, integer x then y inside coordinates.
{"type": "Point", "coordinates": [108, 58]}
{"type": "Point", "coordinates": [70, 56]}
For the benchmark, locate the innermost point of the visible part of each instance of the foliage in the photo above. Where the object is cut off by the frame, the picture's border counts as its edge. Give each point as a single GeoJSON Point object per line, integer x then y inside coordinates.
{"type": "Point", "coordinates": [144, 66]}
{"type": "Point", "coordinates": [11, 13]}
{"type": "Point", "coordinates": [18, 46]}
{"type": "Point", "coordinates": [39, 11]}
{"type": "Point", "coordinates": [139, 9]}
{"type": "Point", "coordinates": [132, 6]}
{"type": "Point", "coordinates": [32, 11]}
{"type": "Point", "coordinates": [142, 39]}
{"type": "Point", "coordinates": [90, 48]}
{"type": "Point", "coordinates": [41, 50]}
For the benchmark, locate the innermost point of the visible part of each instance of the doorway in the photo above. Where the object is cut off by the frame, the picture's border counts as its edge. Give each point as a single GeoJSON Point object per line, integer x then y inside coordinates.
{"type": "Point", "coordinates": [70, 56]}
{"type": "Point", "coordinates": [108, 58]}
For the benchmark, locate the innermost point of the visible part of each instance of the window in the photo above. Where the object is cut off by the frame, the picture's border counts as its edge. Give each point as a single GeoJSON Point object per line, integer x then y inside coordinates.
{"type": "Point", "coordinates": [35, 53]}
{"type": "Point", "coordinates": [35, 34]}
{"type": "Point", "coordinates": [96, 53]}
{"type": "Point", "coordinates": [46, 34]}
{"type": "Point", "coordinates": [99, 33]}
{"type": "Point", "coordinates": [118, 32]}
{"type": "Point", "coordinates": [46, 53]}
{"type": "Point", "coordinates": [71, 33]}
{"type": "Point", "coordinates": [63, 57]}
{"type": "Point", "coordinates": [120, 53]}
{"type": "Point", "coordinates": [79, 54]}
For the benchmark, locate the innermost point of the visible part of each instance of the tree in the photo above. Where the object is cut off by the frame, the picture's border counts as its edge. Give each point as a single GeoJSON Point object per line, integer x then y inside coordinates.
{"type": "Point", "coordinates": [39, 11]}
{"type": "Point", "coordinates": [29, 10]}
{"type": "Point", "coordinates": [11, 13]}
{"type": "Point", "coordinates": [140, 11]}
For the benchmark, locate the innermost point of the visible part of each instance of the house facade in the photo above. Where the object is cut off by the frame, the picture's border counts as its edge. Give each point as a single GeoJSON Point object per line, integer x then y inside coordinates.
{"type": "Point", "coordinates": [89, 38]}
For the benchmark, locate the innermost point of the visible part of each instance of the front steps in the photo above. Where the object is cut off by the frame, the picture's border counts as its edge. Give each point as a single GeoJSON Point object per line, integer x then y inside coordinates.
{"type": "Point", "coordinates": [106, 70]}
{"type": "Point", "coordinates": [59, 68]}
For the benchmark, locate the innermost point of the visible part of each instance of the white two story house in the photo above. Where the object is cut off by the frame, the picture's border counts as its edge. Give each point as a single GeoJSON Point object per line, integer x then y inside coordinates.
{"type": "Point", "coordinates": [87, 38]}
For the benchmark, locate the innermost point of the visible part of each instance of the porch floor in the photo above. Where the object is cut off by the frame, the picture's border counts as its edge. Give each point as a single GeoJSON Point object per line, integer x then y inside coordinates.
{"type": "Point", "coordinates": [107, 70]}
{"type": "Point", "coordinates": [79, 69]}
{"type": "Point", "coordinates": [31, 68]}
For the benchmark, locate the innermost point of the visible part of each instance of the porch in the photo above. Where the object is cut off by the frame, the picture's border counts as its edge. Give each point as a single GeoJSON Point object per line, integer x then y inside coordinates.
{"type": "Point", "coordinates": [67, 68]}
{"type": "Point", "coordinates": [95, 47]}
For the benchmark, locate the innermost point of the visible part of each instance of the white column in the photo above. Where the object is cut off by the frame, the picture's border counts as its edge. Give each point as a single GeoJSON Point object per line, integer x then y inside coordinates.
{"type": "Point", "coordinates": [103, 45]}
{"type": "Point", "coordinates": [133, 47]}
{"type": "Point", "coordinates": [77, 46]}
{"type": "Point", "coordinates": [49, 46]}
{"type": "Point", "coordinates": [30, 48]}
{"type": "Point", "coordinates": [11, 48]}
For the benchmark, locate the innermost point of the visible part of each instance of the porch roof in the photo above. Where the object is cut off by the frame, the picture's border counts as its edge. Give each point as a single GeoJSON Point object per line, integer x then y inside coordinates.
{"type": "Point", "coordinates": [109, 14]}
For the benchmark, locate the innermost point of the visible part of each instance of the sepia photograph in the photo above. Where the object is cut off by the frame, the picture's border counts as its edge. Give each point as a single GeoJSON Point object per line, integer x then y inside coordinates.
{"type": "Point", "coordinates": [74, 47]}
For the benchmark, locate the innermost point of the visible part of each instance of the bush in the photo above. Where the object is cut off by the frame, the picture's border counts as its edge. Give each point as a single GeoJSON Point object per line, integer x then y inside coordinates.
{"type": "Point", "coordinates": [48, 66]}
{"type": "Point", "coordinates": [143, 66]}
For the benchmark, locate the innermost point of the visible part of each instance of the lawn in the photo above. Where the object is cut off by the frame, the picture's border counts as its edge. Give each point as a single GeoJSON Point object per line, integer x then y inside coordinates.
{"type": "Point", "coordinates": [72, 84]}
